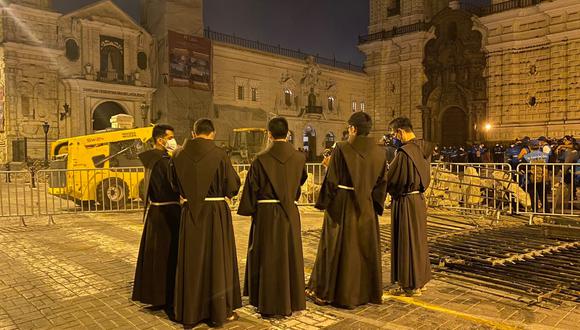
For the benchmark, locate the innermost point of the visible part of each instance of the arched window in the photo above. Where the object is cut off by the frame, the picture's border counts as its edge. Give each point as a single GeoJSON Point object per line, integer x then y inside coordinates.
{"type": "Point", "coordinates": [330, 103]}
{"type": "Point", "coordinates": [329, 140]}
{"type": "Point", "coordinates": [288, 97]}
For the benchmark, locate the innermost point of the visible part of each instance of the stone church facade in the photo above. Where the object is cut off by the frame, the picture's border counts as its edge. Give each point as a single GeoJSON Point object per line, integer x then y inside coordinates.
{"type": "Point", "coordinates": [461, 73]}
{"type": "Point", "coordinates": [464, 73]}
{"type": "Point", "coordinates": [71, 71]}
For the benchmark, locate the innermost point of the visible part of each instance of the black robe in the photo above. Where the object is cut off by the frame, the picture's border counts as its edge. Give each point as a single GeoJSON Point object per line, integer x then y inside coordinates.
{"type": "Point", "coordinates": [274, 278]}
{"type": "Point", "coordinates": [207, 282]}
{"type": "Point", "coordinates": [155, 272]}
{"type": "Point", "coordinates": [409, 171]}
{"type": "Point", "coordinates": [347, 271]}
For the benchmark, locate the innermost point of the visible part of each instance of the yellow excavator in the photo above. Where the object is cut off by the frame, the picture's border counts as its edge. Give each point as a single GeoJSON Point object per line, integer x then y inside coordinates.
{"type": "Point", "coordinates": [96, 167]}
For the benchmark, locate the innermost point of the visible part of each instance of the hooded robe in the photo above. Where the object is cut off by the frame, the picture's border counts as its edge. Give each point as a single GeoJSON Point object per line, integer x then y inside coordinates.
{"type": "Point", "coordinates": [409, 173]}
{"type": "Point", "coordinates": [155, 272]}
{"type": "Point", "coordinates": [207, 281]}
{"type": "Point", "coordinates": [274, 278]}
{"type": "Point", "coordinates": [347, 271]}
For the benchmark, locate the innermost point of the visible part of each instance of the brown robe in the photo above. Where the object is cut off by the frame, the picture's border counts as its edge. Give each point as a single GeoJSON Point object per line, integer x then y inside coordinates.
{"type": "Point", "coordinates": [409, 171]}
{"type": "Point", "coordinates": [155, 270]}
{"type": "Point", "coordinates": [207, 281]}
{"type": "Point", "coordinates": [274, 278]}
{"type": "Point", "coordinates": [347, 271]}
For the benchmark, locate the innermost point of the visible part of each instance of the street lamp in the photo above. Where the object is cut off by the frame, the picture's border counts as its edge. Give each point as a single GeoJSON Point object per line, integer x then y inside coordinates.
{"type": "Point", "coordinates": [45, 127]}
{"type": "Point", "coordinates": [144, 112]}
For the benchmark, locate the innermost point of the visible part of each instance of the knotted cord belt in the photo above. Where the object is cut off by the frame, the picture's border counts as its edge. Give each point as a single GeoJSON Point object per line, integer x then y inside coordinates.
{"type": "Point", "coordinates": [345, 187]}
{"type": "Point", "coordinates": [208, 199]}
{"type": "Point", "coordinates": [163, 203]}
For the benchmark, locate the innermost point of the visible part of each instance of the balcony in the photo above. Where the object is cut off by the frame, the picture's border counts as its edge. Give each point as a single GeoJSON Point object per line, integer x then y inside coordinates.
{"type": "Point", "coordinates": [394, 32]}
{"type": "Point", "coordinates": [498, 7]}
{"type": "Point", "coordinates": [313, 109]}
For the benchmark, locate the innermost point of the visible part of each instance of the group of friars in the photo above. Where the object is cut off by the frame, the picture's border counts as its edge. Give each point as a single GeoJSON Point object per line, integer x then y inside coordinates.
{"type": "Point", "coordinates": [187, 262]}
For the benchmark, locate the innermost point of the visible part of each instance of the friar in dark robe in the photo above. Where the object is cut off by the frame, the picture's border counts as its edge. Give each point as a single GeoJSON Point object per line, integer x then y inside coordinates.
{"type": "Point", "coordinates": [207, 284]}
{"type": "Point", "coordinates": [347, 271]}
{"type": "Point", "coordinates": [407, 180]}
{"type": "Point", "coordinates": [155, 272]}
{"type": "Point", "coordinates": [274, 278]}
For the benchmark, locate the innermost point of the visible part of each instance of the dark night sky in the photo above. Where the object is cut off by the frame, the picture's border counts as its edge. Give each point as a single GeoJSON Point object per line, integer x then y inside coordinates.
{"type": "Point", "coordinates": [327, 27]}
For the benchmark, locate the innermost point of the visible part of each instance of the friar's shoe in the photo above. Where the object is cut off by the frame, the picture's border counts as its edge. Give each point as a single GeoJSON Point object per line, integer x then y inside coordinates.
{"type": "Point", "coordinates": [312, 296]}
{"type": "Point", "coordinates": [413, 292]}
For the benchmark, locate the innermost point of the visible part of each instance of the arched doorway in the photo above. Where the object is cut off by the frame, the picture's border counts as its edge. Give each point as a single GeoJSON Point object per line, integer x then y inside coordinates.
{"type": "Point", "coordinates": [310, 143]}
{"type": "Point", "coordinates": [454, 127]}
{"type": "Point", "coordinates": [103, 113]}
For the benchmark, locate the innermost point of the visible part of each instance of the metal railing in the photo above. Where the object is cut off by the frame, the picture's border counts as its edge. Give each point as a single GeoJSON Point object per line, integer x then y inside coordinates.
{"type": "Point", "coordinates": [60, 191]}
{"type": "Point", "coordinates": [278, 50]}
{"type": "Point", "coordinates": [482, 188]}
{"type": "Point", "coordinates": [395, 31]}
{"type": "Point", "coordinates": [309, 191]}
{"type": "Point", "coordinates": [553, 189]}
{"type": "Point", "coordinates": [479, 10]}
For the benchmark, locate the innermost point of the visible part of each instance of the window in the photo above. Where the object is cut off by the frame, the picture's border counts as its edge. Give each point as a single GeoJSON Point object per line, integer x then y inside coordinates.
{"type": "Point", "coordinates": [353, 106]}
{"type": "Point", "coordinates": [330, 103]}
{"type": "Point", "coordinates": [362, 106]}
{"type": "Point", "coordinates": [240, 92]}
{"type": "Point", "coordinates": [288, 97]}
{"type": "Point", "coordinates": [25, 105]}
{"type": "Point", "coordinates": [142, 60]}
{"type": "Point", "coordinates": [254, 94]}
{"type": "Point", "coordinates": [329, 140]}
{"type": "Point", "coordinates": [72, 50]}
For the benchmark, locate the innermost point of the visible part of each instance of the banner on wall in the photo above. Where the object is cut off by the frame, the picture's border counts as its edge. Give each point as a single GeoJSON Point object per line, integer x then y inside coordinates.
{"type": "Point", "coordinates": [189, 61]}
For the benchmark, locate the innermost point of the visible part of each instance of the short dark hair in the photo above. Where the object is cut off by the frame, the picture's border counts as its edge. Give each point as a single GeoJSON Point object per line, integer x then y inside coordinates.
{"type": "Point", "coordinates": [278, 127]}
{"type": "Point", "coordinates": [160, 130]}
{"type": "Point", "coordinates": [362, 122]}
{"type": "Point", "coordinates": [403, 123]}
{"type": "Point", "coordinates": [203, 126]}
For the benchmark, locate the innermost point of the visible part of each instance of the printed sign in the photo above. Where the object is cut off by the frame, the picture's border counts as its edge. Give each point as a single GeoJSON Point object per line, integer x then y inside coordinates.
{"type": "Point", "coordinates": [189, 61]}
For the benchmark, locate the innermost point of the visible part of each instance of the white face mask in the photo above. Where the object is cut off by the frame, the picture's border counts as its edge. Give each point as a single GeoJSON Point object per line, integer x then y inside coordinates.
{"type": "Point", "coordinates": [170, 145]}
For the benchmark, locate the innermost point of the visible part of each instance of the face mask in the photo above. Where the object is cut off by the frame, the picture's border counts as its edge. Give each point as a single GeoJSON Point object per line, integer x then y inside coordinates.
{"type": "Point", "coordinates": [397, 143]}
{"type": "Point", "coordinates": [170, 145]}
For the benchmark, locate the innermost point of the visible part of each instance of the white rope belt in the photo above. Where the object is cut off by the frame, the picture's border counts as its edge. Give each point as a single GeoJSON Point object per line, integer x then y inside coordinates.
{"type": "Point", "coordinates": [271, 201]}
{"type": "Point", "coordinates": [345, 187]}
{"type": "Point", "coordinates": [412, 193]}
{"type": "Point", "coordinates": [214, 199]}
{"type": "Point", "coordinates": [163, 203]}
{"type": "Point", "coordinates": [208, 199]}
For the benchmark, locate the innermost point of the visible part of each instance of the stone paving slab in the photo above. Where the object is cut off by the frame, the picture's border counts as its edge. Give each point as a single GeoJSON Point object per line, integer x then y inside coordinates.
{"type": "Point", "coordinates": [78, 273]}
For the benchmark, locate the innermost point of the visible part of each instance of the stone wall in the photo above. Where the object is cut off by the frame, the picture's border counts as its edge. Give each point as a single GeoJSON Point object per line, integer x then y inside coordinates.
{"type": "Point", "coordinates": [265, 79]}
{"type": "Point", "coordinates": [533, 57]}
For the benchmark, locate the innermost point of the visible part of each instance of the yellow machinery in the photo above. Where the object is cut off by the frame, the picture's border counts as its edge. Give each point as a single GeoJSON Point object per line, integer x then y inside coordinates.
{"type": "Point", "coordinates": [247, 142]}
{"type": "Point", "coordinates": [93, 168]}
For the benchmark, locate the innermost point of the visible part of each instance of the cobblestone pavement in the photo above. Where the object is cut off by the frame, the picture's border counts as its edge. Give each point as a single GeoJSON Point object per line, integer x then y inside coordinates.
{"type": "Point", "coordinates": [78, 273]}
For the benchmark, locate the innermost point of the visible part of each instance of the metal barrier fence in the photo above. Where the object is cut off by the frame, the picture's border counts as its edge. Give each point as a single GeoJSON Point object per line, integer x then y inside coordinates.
{"type": "Point", "coordinates": [482, 188]}
{"type": "Point", "coordinates": [553, 189]}
{"type": "Point", "coordinates": [60, 191]}
{"type": "Point", "coordinates": [310, 189]}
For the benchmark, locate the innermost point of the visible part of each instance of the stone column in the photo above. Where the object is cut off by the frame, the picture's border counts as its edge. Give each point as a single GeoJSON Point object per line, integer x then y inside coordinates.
{"type": "Point", "coordinates": [426, 121]}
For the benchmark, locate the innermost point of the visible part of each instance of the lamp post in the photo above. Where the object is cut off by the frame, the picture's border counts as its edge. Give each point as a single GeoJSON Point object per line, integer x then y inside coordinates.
{"type": "Point", "coordinates": [144, 112]}
{"type": "Point", "coordinates": [45, 127]}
